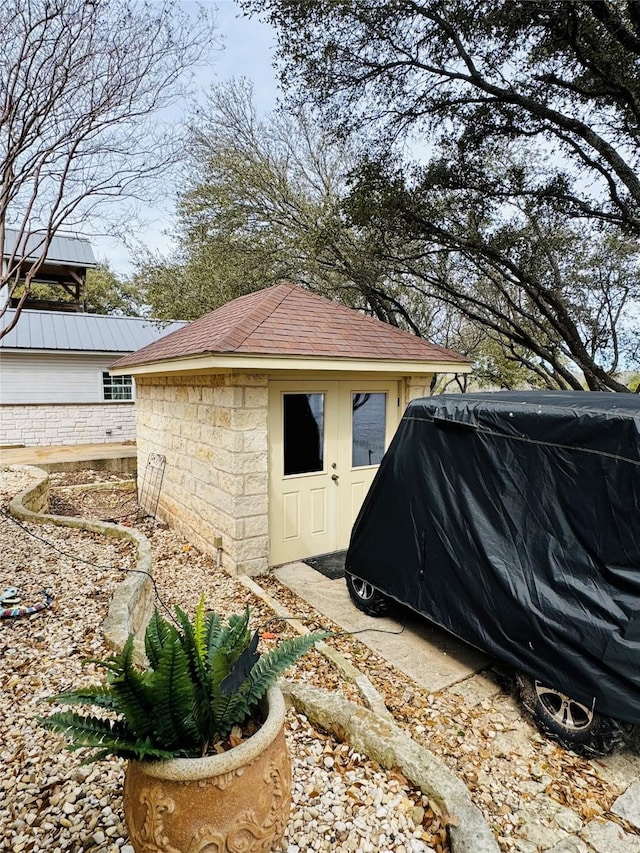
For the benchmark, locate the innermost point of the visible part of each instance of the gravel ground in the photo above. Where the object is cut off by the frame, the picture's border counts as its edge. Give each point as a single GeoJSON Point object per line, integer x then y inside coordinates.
{"type": "Point", "coordinates": [535, 795]}
{"type": "Point", "coordinates": [342, 801]}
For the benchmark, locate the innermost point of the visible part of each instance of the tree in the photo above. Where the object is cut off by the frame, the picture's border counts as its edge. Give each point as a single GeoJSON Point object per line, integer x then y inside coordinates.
{"type": "Point", "coordinates": [549, 295]}
{"type": "Point", "coordinates": [83, 86]}
{"type": "Point", "coordinates": [263, 202]}
{"type": "Point", "coordinates": [523, 120]}
{"type": "Point", "coordinates": [109, 293]}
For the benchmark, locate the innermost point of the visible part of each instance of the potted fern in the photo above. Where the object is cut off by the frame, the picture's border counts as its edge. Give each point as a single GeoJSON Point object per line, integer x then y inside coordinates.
{"type": "Point", "coordinates": [202, 729]}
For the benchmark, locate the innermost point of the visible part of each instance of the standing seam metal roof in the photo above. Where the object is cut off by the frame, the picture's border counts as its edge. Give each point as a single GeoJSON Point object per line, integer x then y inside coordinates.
{"type": "Point", "coordinates": [64, 249]}
{"type": "Point", "coordinates": [57, 330]}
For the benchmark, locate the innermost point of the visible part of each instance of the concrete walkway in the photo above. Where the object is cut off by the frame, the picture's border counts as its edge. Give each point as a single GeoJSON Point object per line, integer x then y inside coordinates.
{"type": "Point", "coordinates": [71, 457]}
{"type": "Point", "coordinates": [430, 656]}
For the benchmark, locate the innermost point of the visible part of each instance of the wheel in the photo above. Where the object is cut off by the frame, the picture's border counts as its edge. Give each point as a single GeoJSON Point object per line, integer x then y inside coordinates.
{"type": "Point", "coordinates": [366, 597]}
{"type": "Point", "coordinates": [572, 724]}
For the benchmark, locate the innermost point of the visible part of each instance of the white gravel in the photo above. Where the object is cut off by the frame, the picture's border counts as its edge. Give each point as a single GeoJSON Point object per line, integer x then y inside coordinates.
{"type": "Point", "coordinates": [48, 802]}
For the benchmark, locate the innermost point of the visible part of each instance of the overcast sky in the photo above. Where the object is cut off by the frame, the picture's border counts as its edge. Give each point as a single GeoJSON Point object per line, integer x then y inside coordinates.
{"type": "Point", "coordinates": [247, 52]}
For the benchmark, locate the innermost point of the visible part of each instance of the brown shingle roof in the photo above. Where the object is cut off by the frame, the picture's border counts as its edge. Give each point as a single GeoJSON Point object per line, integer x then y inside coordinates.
{"type": "Point", "coordinates": [289, 320]}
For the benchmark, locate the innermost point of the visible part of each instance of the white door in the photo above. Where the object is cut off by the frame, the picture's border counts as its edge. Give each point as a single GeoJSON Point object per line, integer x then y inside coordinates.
{"type": "Point", "coordinates": [326, 441]}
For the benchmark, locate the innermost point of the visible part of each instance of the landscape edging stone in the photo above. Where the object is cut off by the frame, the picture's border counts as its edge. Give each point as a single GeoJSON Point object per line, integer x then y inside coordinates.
{"type": "Point", "coordinates": [131, 606]}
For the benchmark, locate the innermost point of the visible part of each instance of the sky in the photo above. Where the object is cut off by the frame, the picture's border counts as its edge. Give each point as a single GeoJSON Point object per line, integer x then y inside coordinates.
{"type": "Point", "coordinates": [248, 47]}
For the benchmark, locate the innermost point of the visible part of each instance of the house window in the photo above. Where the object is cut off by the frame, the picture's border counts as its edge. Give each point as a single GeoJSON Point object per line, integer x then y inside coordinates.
{"type": "Point", "coordinates": [117, 387]}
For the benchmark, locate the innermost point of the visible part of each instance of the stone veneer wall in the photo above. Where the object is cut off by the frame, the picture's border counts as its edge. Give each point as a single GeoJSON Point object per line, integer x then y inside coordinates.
{"type": "Point", "coordinates": [417, 386]}
{"type": "Point", "coordinates": [66, 423]}
{"type": "Point", "coordinates": [213, 431]}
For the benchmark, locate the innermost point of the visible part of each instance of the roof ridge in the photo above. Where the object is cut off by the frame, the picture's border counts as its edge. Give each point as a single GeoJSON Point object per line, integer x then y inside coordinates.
{"type": "Point", "coordinates": [238, 334]}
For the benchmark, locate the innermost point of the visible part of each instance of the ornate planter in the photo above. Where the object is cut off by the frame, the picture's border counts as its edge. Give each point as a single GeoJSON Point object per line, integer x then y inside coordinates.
{"type": "Point", "coordinates": [235, 802]}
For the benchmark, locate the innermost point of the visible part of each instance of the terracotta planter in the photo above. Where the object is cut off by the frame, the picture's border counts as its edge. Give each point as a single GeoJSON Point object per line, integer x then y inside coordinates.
{"type": "Point", "coordinates": [235, 802]}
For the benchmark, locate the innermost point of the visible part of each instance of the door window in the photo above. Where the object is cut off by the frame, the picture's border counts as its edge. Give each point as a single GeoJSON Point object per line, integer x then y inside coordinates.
{"type": "Point", "coordinates": [303, 433]}
{"type": "Point", "coordinates": [368, 428]}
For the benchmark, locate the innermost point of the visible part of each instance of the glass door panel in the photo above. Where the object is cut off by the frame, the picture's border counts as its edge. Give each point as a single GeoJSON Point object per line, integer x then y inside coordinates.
{"type": "Point", "coordinates": [368, 428]}
{"type": "Point", "coordinates": [303, 433]}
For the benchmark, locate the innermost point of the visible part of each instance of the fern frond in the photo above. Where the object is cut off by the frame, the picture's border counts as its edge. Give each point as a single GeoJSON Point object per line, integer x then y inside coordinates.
{"type": "Point", "coordinates": [158, 633]}
{"type": "Point", "coordinates": [173, 722]}
{"type": "Point", "coordinates": [272, 664]}
{"type": "Point", "coordinates": [107, 737]}
{"type": "Point", "coordinates": [213, 624]}
{"type": "Point", "coordinates": [99, 695]}
{"type": "Point", "coordinates": [130, 690]}
{"type": "Point", "coordinates": [193, 640]}
{"type": "Point", "coordinates": [84, 730]}
{"type": "Point", "coordinates": [235, 636]}
{"type": "Point", "coordinates": [200, 634]}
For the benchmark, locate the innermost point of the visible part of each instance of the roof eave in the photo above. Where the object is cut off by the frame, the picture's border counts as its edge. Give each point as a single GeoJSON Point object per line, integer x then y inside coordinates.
{"type": "Point", "coordinates": [214, 362]}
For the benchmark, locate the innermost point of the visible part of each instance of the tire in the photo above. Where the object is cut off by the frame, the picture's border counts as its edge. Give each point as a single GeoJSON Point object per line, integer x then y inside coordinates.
{"type": "Point", "coordinates": [568, 722]}
{"type": "Point", "coordinates": [366, 597]}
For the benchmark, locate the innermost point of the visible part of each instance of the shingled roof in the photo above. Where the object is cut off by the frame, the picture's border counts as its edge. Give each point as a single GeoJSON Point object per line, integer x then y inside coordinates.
{"type": "Point", "coordinates": [287, 320]}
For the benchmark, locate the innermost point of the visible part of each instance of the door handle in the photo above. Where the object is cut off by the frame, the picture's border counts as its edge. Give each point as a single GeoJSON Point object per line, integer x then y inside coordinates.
{"type": "Point", "coordinates": [335, 477]}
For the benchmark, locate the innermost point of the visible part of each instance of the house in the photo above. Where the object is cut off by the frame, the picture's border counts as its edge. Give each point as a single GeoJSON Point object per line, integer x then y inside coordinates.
{"type": "Point", "coordinates": [273, 413]}
{"type": "Point", "coordinates": [55, 386]}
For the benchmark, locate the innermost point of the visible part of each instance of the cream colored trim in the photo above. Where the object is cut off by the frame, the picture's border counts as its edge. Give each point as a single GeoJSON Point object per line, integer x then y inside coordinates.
{"type": "Point", "coordinates": [227, 362]}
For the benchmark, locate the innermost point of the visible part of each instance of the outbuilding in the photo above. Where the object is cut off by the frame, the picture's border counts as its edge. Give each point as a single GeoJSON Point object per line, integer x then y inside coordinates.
{"type": "Point", "coordinates": [273, 413]}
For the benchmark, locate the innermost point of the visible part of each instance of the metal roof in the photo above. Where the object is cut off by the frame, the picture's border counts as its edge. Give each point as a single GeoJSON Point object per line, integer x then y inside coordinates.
{"type": "Point", "coordinates": [64, 248]}
{"type": "Point", "coordinates": [56, 330]}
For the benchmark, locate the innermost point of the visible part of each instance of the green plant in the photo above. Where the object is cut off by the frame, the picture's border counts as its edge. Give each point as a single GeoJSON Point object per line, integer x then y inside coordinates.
{"type": "Point", "coordinates": [204, 678]}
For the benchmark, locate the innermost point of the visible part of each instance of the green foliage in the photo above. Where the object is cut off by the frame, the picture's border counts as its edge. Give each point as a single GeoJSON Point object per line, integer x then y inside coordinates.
{"type": "Point", "coordinates": [204, 677]}
{"type": "Point", "coordinates": [108, 293]}
{"type": "Point", "coordinates": [498, 174]}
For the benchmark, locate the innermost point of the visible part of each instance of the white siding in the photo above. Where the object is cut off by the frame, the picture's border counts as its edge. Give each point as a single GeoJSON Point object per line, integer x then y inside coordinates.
{"type": "Point", "coordinates": [52, 378]}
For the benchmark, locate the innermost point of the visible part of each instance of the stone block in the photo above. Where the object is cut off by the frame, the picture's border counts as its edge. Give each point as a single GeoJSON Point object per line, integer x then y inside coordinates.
{"type": "Point", "coordinates": [250, 419]}
{"type": "Point", "coordinates": [608, 837]}
{"type": "Point", "coordinates": [180, 393]}
{"type": "Point", "coordinates": [252, 463]}
{"type": "Point", "coordinates": [191, 429]}
{"type": "Point", "coordinates": [223, 502]}
{"type": "Point", "coordinates": [255, 440]}
{"type": "Point", "coordinates": [256, 398]}
{"type": "Point", "coordinates": [257, 525]}
{"type": "Point", "coordinates": [227, 439]}
{"type": "Point", "coordinates": [200, 470]}
{"type": "Point", "coordinates": [252, 379]}
{"type": "Point", "coordinates": [255, 484]}
{"type": "Point", "coordinates": [221, 417]}
{"type": "Point", "coordinates": [201, 452]}
{"type": "Point", "coordinates": [228, 397]}
{"type": "Point", "coordinates": [230, 483]}
{"type": "Point", "coordinates": [248, 506]}
{"type": "Point", "coordinates": [252, 549]}
{"type": "Point", "coordinates": [628, 805]}
{"type": "Point", "coordinates": [258, 566]}
{"type": "Point", "coordinates": [224, 460]}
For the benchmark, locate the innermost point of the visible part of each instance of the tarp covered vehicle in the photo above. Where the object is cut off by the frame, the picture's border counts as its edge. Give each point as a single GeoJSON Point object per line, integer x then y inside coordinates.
{"type": "Point", "coordinates": [513, 521]}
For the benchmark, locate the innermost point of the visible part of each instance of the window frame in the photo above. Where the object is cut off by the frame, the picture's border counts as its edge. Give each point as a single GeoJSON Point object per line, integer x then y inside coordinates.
{"type": "Point", "coordinates": [111, 385]}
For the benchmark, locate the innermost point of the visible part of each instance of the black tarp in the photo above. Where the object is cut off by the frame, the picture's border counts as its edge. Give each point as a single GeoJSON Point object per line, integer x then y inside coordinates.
{"type": "Point", "coordinates": [513, 521]}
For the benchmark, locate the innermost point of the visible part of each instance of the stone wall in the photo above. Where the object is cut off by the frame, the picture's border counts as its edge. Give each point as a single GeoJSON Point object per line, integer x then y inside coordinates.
{"type": "Point", "coordinates": [213, 432]}
{"type": "Point", "coordinates": [417, 386]}
{"type": "Point", "coordinates": [64, 423]}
